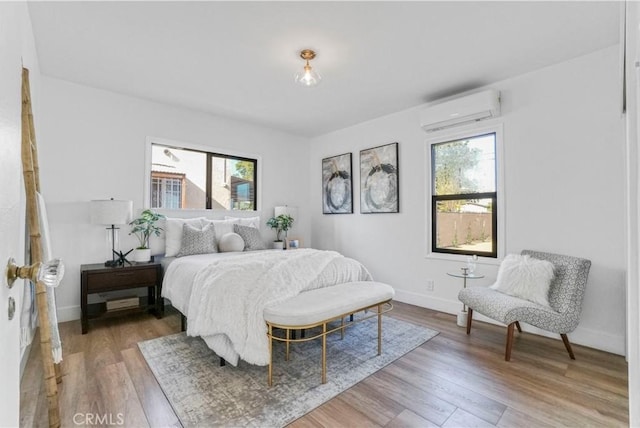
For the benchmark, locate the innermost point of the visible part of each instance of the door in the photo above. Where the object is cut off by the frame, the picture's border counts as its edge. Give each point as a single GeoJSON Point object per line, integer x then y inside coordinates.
{"type": "Point", "coordinates": [11, 206]}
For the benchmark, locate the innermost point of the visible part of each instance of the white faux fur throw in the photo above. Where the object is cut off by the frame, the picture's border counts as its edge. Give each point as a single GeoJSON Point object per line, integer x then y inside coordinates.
{"type": "Point", "coordinates": [229, 296]}
{"type": "Point", "coordinates": [525, 277]}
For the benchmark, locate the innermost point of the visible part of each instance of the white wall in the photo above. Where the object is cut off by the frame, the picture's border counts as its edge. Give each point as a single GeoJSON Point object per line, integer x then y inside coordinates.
{"type": "Point", "coordinates": [633, 221]}
{"type": "Point", "coordinates": [564, 185]}
{"type": "Point", "coordinates": [17, 49]}
{"type": "Point", "coordinates": [92, 146]}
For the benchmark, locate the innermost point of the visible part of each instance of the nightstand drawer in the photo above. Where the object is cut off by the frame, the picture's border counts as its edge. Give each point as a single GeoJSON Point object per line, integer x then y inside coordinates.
{"type": "Point", "coordinates": [125, 279]}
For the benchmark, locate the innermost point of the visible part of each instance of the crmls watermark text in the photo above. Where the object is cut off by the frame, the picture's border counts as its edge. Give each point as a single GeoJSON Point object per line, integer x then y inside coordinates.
{"type": "Point", "coordinates": [97, 419]}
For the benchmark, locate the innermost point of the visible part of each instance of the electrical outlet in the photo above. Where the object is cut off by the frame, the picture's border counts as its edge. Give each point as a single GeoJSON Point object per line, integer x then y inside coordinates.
{"type": "Point", "coordinates": [429, 284]}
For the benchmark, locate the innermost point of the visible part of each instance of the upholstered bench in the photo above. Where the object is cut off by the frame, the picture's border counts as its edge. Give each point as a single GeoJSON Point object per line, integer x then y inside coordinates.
{"type": "Point", "coordinates": [317, 308]}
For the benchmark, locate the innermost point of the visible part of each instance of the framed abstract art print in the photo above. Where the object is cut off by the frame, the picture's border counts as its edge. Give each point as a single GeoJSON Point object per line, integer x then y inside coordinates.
{"type": "Point", "coordinates": [337, 186]}
{"type": "Point", "coordinates": [379, 187]}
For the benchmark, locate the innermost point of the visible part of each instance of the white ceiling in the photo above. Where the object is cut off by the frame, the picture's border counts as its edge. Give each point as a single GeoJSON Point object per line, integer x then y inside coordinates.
{"type": "Point", "coordinates": [237, 59]}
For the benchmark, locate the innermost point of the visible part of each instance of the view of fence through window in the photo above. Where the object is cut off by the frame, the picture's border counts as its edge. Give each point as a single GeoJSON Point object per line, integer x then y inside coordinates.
{"type": "Point", "coordinates": [464, 196]}
{"type": "Point", "coordinates": [191, 179]}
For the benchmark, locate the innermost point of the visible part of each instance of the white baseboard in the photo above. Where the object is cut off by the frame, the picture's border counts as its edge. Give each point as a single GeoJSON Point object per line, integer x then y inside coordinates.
{"type": "Point", "coordinates": [426, 301]}
{"type": "Point", "coordinates": [69, 313]}
{"type": "Point", "coordinates": [596, 339]}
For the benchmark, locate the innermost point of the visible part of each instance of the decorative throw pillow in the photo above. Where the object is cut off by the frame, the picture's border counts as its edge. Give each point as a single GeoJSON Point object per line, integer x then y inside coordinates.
{"type": "Point", "coordinates": [173, 233]}
{"type": "Point", "coordinates": [197, 241]}
{"type": "Point", "coordinates": [251, 237]}
{"type": "Point", "coordinates": [230, 242]}
{"type": "Point", "coordinates": [246, 221]}
{"type": "Point", "coordinates": [525, 277]}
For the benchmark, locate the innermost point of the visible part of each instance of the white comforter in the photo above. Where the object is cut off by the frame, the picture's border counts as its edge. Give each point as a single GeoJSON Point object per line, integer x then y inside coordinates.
{"type": "Point", "coordinates": [227, 295]}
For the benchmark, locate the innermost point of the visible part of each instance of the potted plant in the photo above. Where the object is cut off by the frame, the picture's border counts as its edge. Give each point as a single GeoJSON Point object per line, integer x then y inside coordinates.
{"type": "Point", "coordinates": [281, 223]}
{"type": "Point", "coordinates": [143, 227]}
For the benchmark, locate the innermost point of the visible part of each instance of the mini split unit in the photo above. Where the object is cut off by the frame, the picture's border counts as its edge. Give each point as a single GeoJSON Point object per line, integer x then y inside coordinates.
{"type": "Point", "coordinates": [461, 111]}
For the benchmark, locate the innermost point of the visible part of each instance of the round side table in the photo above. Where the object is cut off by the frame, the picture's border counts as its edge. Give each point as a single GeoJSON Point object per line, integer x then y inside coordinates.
{"type": "Point", "coordinates": [462, 316]}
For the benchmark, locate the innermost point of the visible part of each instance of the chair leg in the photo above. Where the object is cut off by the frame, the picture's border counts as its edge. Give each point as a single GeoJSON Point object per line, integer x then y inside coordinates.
{"type": "Point", "coordinates": [567, 345]}
{"type": "Point", "coordinates": [518, 326]}
{"type": "Point", "coordinates": [469, 319]}
{"type": "Point", "coordinates": [507, 352]}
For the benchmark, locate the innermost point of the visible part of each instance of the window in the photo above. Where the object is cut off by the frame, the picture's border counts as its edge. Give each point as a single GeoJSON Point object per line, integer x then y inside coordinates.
{"type": "Point", "coordinates": [464, 197]}
{"type": "Point", "coordinates": [184, 178]}
{"type": "Point", "coordinates": [166, 190]}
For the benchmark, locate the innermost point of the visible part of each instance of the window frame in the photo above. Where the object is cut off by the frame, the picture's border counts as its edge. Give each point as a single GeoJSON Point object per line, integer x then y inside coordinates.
{"type": "Point", "coordinates": [209, 151]}
{"type": "Point", "coordinates": [168, 176]}
{"type": "Point", "coordinates": [460, 133]}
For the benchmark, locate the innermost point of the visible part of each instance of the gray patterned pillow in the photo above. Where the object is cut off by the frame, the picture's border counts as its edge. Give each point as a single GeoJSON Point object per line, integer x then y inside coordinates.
{"type": "Point", "coordinates": [197, 241]}
{"type": "Point", "coordinates": [251, 236]}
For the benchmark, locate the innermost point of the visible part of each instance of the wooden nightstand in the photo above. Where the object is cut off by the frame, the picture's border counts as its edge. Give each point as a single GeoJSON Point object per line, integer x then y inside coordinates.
{"type": "Point", "coordinates": [96, 278]}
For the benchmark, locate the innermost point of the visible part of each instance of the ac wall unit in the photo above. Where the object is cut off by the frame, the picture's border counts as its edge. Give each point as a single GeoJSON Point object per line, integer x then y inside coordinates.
{"type": "Point", "coordinates": [460, 111]}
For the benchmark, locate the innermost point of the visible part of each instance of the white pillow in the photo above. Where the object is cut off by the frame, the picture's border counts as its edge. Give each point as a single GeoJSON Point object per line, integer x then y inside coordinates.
{"type": "Point", "coordinates": [222, 227]}
{"type": "Point", "coordinates": [230, 242]}
{"type": "Point", "coordinates": [246, 221]}
{"type": "Point", "coordinates": [525, 277]}
{"type": "Point", "coordinates": [173, 233]}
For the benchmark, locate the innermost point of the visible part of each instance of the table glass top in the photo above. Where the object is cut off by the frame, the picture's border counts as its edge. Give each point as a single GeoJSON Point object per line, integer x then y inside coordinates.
{"type": "Point", "coordinates": [466, 275]}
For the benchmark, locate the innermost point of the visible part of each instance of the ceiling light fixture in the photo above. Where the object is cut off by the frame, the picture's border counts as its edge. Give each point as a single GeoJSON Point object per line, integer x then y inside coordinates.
{"type": "Point", "coordinates": [308, 77]}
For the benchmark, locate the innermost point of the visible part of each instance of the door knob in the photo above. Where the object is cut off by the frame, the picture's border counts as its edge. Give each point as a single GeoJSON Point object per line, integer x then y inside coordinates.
{"type": "Point", "coordinates": [50, 273]}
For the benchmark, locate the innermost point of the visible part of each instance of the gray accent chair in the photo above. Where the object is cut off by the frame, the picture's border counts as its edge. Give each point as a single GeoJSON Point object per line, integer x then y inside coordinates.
{"type": "Point", "coordinates": [566, 293]}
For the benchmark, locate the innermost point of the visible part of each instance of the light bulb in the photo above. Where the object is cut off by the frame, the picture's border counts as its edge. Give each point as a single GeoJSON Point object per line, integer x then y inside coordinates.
{"type": "Point", "coordinates": [308, 78]}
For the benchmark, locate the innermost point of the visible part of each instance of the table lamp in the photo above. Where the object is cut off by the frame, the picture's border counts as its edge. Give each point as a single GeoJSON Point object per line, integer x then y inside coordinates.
{"type": "Point", "coordinates": [111, 212]}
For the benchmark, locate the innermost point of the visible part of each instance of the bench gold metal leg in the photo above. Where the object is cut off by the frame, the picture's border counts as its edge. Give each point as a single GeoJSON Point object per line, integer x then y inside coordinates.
{"type": "Point", "coordinates": [270, 371]}
{"type": "Point", "coordinates": [324, 353]}
{"type": "Point", "coordinates": [286, 354]}
{"type": "Point", "coordinates": [379, 329]}
{"type": "Point", "coordinates": [289, 334]}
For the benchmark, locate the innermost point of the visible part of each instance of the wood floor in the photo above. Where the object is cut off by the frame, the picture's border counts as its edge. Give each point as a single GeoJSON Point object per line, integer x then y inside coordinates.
{"type": "Point", "coordinates": [453, 380]}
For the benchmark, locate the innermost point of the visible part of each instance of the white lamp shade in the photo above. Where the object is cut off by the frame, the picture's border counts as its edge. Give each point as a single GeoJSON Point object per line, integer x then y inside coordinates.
{"type": "Point", "coordinates": [110, 211]}
{"type": "Point", "coordinates": [287, 210]}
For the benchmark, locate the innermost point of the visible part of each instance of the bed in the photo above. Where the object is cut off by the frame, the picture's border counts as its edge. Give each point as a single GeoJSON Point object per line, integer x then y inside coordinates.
{"type": "Point", "coordinates": [223, 295]}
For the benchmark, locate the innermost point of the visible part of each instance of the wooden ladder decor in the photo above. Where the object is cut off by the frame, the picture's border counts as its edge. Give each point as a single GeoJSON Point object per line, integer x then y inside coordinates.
{"type": "Point", "coordinates": [31, 174]}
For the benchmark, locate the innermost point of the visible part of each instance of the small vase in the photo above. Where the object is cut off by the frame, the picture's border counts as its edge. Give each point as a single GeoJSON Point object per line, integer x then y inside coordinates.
{"type": "Point", "coordinates": [141, 255]}
{"type": "Point", "coordinates": [278, 245]}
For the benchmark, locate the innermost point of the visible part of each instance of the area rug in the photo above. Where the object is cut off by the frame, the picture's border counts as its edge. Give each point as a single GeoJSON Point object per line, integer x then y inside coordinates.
{"type": "Point", "coordinates": [203, 394]}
